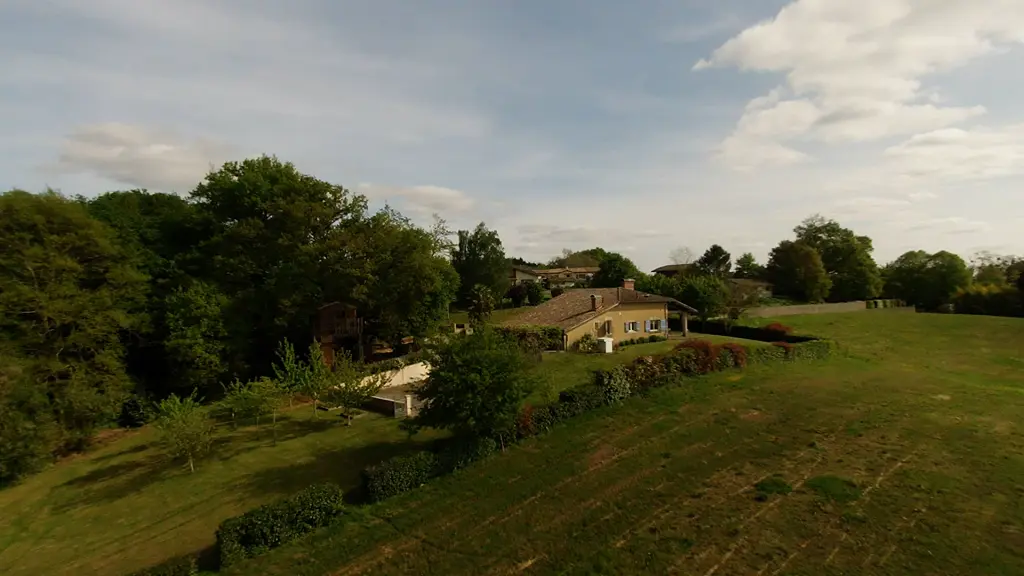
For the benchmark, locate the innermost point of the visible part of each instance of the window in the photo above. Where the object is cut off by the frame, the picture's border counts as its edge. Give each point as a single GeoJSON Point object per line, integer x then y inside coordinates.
{"type": "Point", "coordinates": [632, 326]}
{"type": "Point", "coordinates": [654, 326]}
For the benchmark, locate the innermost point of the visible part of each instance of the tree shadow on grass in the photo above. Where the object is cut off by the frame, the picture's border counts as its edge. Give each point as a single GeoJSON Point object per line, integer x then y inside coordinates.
{"type": "Point", "coordinates": [341, 466]}
{"type": "Point", "coordinates": [231, 443]}
{"type": "Point", "coordinates": [112, 482]}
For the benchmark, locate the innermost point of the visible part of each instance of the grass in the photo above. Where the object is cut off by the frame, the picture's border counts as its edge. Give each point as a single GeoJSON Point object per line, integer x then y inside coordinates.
{"type": "Point", "coordinates": [905, 456]}
{"type": "Point", "coordinates": [125, 507]}
{"type": "Point", "coordinates": [498, 316]}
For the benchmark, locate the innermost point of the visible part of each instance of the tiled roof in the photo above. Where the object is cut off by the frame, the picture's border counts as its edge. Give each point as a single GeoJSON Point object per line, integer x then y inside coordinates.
{"type": "Point", "coordinates": [573, 307]}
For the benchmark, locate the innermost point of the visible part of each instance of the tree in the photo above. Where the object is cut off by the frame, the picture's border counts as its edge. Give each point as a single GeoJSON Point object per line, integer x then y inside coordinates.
{"type": "Point", "coordinates": [845, 256]}
{"type": "Point", "coordinates": [589, 258]}
{"type": "Point", "coordinates": [410, 284]}
{"type": "Point", "coordinates": [993, 270]}
{"type": "Point", "coordinates": [67, 294]}
{"type": "Point", "coordinates": [481, 304]}
{"type": "Point", "coordinates": [479, 259]}
{"type": "Point", "coordinates": [659, 284]}
{"type": "Point", "coordinates": [747, 267]}
{"type": "Point", "coordinates": [280, 243]}
{"type": "Point", "coordinates": [352, 384]}
{"type": "Point", "coordinates": [534, 293]}
{"type": "Point", "coordinates": [681, 256]}
{"type": "Point", "coordinates": [195, 335]}
{"type": "Point", "coordinates": [319, 378]}
{"type": "Point", "coordinates": [708, 294]}
{"type": "Point", "coordinates": [613, 270]}
{"type": "Point", "coordinates": [477, 384]}
{"type": "Point", "coordinates": [715, 261]}
{"type": "Point", "coordinates": [796, 271]}
{"type": "Point", "coordinates": [184, 427]}
{"type": "Point", "coordinates": [524, 263]}
{"type": "Point", "coordinates": [254, 399]}
{"type": "Point", "coordinates": [28, 430]}
{"type": "Point", "coordinates": [517, 293]}
{"type": "Point", "coordinates": [926, 280]}
{"type": "Point", "coordinates": [290, 372]}
{"type": "Point", "coordinates": [740, 298]}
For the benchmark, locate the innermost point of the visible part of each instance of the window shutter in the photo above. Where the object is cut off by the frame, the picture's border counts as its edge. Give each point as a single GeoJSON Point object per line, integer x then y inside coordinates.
{"type": "Point", "coordinates": [647, 325]}
{"type": "Point", "coordinates": [625, 328]}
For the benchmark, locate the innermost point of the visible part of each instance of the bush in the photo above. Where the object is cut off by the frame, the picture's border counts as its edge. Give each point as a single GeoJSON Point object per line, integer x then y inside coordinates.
{"type": "Point", "coordinates": [277, 523]}
{"type": "Point", "coordinates": [737, 354]}
{"type": "Point", "coordinates": [556, 292]}
{"type": "Point", "coordinates": [586, 345]}
{"type": "Point", "coordinates": [616, 383]}
{"type": "Point", "coordinates": [136, 411]}
{"type": "Point", "coordinates": [778, 328]}
{"type": "Point", "coordinates": [581, 399]}
{"type": "Point", "coordinates": [399, 474]}
{"type": "Point", "coordinates": [786, 347]}
{"type": "Point", "coordinates": [656, 338]}
{"type": "Point", "coordinates": [180, 566]}
{"type": "Point", "coordinates": [814, 350]}
{"type": "Point", "coordinates": [706, 357]}
{"type": "Point", "coordinates": [526, 422]}
{"type": "Point", "coordinates": [534, 337]}
{"type": "Point", "coordinates": [988, 300]}
{"type": "Point", "coordinates": [456, 454]}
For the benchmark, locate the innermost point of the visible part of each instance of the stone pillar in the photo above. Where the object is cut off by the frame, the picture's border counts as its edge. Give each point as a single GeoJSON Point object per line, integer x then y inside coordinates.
{"type": "Point", "coordinates": [686, 324]}
{"type": "Point", "coordinates": [409, 410]}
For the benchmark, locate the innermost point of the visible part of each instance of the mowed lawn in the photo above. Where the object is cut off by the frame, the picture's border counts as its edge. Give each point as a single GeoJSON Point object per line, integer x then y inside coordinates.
{"type": "Point", "coordinates": [125, 507]}
{"type": "Point", "coordinates": [903, 456]}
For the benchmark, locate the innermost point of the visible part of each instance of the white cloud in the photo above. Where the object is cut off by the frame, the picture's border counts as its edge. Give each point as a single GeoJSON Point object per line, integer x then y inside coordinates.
{"type": "Point", "coordinates": [951, 225]}
{"type": "Point", "coordinates": [424, 200]}
{"type": "Point", "coordinates": [139, 156]}
{"type": "Point", "coordinates": [855, 71]}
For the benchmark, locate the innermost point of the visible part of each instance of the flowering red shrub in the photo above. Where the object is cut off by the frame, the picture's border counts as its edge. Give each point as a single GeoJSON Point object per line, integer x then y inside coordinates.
{"type": "Point", "coordinates": [780, 328]}
{"type": "Point", "coordinates": [705, 354]}
{"type": "Point", "coordinates": [738, 353]}
{"type": "Point", "coordinates": [785, 346]}
{"type": "Point", "coordinates": [525, 426]}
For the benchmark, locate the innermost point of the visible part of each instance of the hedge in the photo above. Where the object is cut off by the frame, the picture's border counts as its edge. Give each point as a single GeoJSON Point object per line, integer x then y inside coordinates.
{"type": "Point", "coordinates": [538, 337]}
{"type": "Point", "coordinates": [761, 334]}
{"type": "Point", "coordinates": [277, 523]}
{"type": "Point", "coordinates": [399, 474]}
{"type": "Point", "coordinates": [180, 566]}
{"type": "Point", "coordinates": [641, 340]}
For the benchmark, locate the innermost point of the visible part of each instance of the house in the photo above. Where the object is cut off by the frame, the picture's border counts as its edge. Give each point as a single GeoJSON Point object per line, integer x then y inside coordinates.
{"type": "Point", "coordinates": [564, 277]}
{"type": "Point", "coordinates": [620, 313]}
{"type": "Point", "coordinates": [671, 270]}
{"type": "Point", "coordinates": [336, 325]}
{"type": "Point", "coordinates": [519, 274]}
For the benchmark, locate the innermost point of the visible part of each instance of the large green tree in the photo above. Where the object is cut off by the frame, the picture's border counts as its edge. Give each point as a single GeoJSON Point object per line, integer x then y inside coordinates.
{"type": "Point", "coordinates": [67, 292]}
{"type": "Point", "coordinates": [282, 243]}
{"type": "Point", "coordinates": [715, 261]}
{"type": "Point", "coordinates": [479, 259]}
{"type": "Point", "coordinates": [926, 280]}
{"type": "Point", "coordinates": [796, 270]}
{"type": "Point", "coordinates": [614, 269]}
{"type": "Point", "coordinates": [708, 294]}
{"type": "Point", "coordinates": [747, 267]}
{"type": "Point", "coordinates": [589, 258]}
{"type": "Point", "coordinates": [846, 257]}
{"type": "Point", "coordinates": [411, 284]}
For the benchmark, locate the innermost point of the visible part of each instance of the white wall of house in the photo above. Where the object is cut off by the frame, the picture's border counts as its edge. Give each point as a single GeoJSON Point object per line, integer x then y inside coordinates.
{"type": "Point", "coordinates": [407, 374]}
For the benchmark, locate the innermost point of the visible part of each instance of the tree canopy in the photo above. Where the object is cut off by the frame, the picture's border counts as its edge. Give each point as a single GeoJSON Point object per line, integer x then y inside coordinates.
{"type": "Point", "coordinates": [747, 267]}
{"type": "Point", "coordinates": [796, 270]}
{"type": "Point", "coordinates": [613, 270]}
{"type": "Point", "coordinates": [479, 259]}
{"type": "Point", "coordinates": [715, 261]}
{"type": "Point", "coordinates": [846, 257]}
{"type": "Point", "coordinates": [926, 280]}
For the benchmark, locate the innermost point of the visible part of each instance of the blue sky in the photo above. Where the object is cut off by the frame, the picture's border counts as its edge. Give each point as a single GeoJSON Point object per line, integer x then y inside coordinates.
{"type": "Point", "coordinates": [640, 127]}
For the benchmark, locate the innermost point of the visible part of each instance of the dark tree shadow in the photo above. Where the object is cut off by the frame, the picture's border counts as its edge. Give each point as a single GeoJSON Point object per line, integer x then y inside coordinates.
{"type": "Point", "coordinates": [126, 452]}
{"type": "Point", "coordinates": [342, 466]}
{"type": "Point", "coordinates": [112, 482]}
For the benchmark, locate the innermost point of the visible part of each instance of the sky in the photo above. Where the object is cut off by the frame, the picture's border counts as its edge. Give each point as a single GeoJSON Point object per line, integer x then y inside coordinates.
{"type": "Point", "coordinates": [640, 127]}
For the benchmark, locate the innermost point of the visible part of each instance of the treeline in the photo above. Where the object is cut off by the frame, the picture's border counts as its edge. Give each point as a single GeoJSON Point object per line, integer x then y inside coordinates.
{"type": "Point", "coordinates": [136, 296]}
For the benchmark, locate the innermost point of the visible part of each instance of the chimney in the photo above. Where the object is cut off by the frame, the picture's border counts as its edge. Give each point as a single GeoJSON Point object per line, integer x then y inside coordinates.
{"type": "Point", "coordinates": [628, 284]}
{"type": "Point", "coordinates": [595, 302]}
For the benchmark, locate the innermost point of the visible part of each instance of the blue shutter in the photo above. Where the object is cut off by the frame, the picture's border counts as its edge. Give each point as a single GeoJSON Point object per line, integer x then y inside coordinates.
{"type": "Point", "coordinates": [647, 325]}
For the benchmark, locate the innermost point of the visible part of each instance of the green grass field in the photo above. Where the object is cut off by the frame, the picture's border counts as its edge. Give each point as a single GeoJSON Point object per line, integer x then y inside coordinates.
{"type": "Point", "coordinates": [903, 456]}
{"type": "Point", "coordinates": [124, 507]}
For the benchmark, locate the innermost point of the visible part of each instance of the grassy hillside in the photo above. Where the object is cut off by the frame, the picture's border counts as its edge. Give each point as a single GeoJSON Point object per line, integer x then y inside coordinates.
{"type": "Point", "coordinates": [905, 456]}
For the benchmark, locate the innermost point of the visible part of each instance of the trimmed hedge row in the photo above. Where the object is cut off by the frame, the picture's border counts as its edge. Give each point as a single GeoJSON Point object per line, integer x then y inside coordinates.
{"type": "Point", "coordinates": [641, 340]}
{"type": "Point", "coordinates": [406, 472]}
{"type": "Point", "coordinates": [535, 337]}
{"type": "Point", "coordinates": [761, 334]}
{"type": "Point", "coordinates": [887, 303]}
{"type": "Point", "coordinates": [277, 523]}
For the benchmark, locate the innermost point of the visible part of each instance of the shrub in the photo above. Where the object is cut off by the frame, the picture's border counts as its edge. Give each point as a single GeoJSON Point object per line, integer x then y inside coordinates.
{"type": "Point", "coordinates": [787, 347]}
{"type": "Point", "coordinates": [616, 383]}
{"type": "Point", "coordinates": [136, 411]}
{"type": "Point", "coordinates": [456, 454]}
{"type": "Point", "coordinates": [779, 328]}
{"type": "Point", "coordinates": [586, 345]}
{"type": "Point", "coordinates": [526, 425]}
{"type": "Point", "coordinates": [814, 350]}
{"type": "Point", "coordinates": [534, 337]}
{"type": "Point", "coordinates": [737, 354]}
{"type": "Point", "coordinates": [556, 292]}
{"type": "Point", "coordinates": [399, 474]}
{"type": "Point", "coordinates": [656, 338]}
{"type": "Point", "coordinates": [277, 523]}
{"type": "Point", "coordinates": [988, 300]}
{"type": "Point", "coordinates": [581, 399]}
{"type": "Point", "coordinates": [706, 356]}
{"type": "Point", "coordinates": [766, 354]}
{"type": "Point", "coordinates": [180, 566]}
